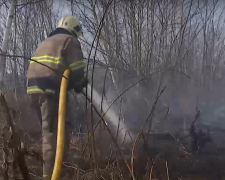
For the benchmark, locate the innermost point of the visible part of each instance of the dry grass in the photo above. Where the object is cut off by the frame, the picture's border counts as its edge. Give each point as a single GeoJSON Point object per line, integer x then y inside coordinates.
{"type": "Point", "coordinates": [159, 160]}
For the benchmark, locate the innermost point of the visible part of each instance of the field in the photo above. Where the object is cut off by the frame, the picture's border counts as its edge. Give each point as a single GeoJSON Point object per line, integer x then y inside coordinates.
{"type": "Point", "coordinates": [155, 156]}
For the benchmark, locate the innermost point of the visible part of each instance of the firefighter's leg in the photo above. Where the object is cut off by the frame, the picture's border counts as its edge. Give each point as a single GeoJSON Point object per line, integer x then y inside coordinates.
{"type": "Point", "coordinates": [49, 110]}
{"type": "Point", "coordinates": [34, 101]}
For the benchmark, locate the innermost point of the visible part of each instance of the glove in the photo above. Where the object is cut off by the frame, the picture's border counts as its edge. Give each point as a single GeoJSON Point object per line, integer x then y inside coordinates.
{"type": "Point", "coordinates": [78, 87]}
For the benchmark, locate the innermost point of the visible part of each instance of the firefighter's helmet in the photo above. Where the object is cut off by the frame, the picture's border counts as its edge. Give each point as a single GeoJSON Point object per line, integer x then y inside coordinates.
{"type": "Point", "coordinates": [71, 24]}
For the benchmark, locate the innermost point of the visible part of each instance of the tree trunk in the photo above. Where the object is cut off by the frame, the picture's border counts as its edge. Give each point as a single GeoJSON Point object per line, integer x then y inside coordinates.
{"type": "Point", "coordinates": [6, 41]}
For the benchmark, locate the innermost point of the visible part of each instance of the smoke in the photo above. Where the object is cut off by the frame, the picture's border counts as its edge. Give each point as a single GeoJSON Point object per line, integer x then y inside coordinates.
{"type": "Point", "coordinates": [175, 108]}
{"type": "Point", "coordinates": [173, 112]}
{"type": "Point", "coordinates": [111, 116]}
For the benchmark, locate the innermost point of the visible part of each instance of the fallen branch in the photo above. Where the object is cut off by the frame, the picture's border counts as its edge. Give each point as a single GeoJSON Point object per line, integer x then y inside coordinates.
{"type": "Point", "coordinates": [14, 144]}
{"type": "Point", "coordinates": [5, 154]}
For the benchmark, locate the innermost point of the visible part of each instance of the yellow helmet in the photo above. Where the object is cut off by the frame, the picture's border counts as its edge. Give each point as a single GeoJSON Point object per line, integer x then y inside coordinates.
{"type": "Point", "coordinates": [71, 24]}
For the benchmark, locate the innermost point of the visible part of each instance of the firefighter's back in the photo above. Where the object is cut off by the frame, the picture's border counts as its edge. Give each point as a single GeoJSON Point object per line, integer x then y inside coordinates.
{"type": "Point", "coordinates": [49, 59]}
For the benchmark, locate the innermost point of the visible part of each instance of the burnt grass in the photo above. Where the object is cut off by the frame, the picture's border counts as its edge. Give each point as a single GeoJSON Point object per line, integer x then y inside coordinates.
{"type": "Point", "coordinates": [163, 159]}
{"type": "Point", "coordinates": [155, 156]}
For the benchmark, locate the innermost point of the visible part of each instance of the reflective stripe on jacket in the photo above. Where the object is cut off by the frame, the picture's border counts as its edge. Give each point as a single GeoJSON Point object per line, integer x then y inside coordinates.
{"type": "Point", "coordinates": [36, 89]}
{"type": "Point", "coordinates": [77, 65]}
{"type": "Point", "coordinates": [49, 59]}
{"type": "Point", "coordinates": [52, 57]}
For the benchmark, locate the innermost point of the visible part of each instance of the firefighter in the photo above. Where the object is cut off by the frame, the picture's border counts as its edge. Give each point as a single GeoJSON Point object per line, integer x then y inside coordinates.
{"type": "Point", "coordinates": [59, 51]}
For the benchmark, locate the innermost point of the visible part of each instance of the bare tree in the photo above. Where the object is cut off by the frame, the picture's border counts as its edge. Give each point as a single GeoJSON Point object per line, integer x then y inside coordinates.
{"type": "Point", "coordinates": [6, 40]}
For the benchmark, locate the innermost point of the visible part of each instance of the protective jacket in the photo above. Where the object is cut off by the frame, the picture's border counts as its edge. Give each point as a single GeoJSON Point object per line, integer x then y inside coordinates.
{"type": "Point", "coordinates": [53, 56]}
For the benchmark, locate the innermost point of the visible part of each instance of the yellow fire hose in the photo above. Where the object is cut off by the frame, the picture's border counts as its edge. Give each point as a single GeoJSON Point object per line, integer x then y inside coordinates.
{"type": "Point", "coordinates": [61, 126]}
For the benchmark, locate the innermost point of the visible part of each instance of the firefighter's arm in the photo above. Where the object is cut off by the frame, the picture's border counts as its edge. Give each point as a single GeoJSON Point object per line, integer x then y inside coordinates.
{"type": "Point", "coordinates": [76, 65]}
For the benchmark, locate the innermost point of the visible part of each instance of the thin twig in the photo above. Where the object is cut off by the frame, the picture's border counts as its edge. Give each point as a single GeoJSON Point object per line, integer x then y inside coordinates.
{"type": "Point", "coordinates": [133, 152]}
{"type": "Point", "coordinates": [167, 171]}
{"type": "Point", "coordinates": [151, 171]}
